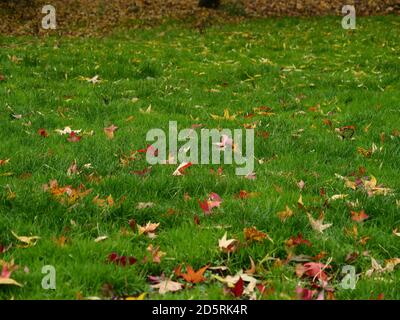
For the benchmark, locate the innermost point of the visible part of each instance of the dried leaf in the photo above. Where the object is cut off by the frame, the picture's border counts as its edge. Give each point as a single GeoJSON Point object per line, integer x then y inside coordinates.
{"type": "Point", "coordinates": [227, 246]}
{"type": "Point", "coordinates": [167, 286]}
{"type": "Point", "coordinates": [28, 241]}
{"type": "Point", "coordinates": [318, 225]}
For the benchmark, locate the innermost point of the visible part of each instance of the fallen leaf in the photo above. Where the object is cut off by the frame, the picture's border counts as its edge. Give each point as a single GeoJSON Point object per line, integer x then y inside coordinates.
{"type": "Point", "coordinates": [180, 171]}
{"type": "Point", "coordinates": [214, 200]}
{"type": "Point", "coordinates": [227, 246]}
{"type": "Point", "coordinates": [73, 169]}
{"type": "Point", "coordinates": [156, 253]}
{"type": "Point", "coordinates": [252, 269]}
{"type": "Point", "coordinates": [73, 137]}
{"type": "Point", "coordinates": [109, 131]}
{"type": "Point", "coordinates": [238, 289]}
{"type": "Point", "coordinates": [318, 225]}
{"type": "Point", "coordinates": [305, 294]}
{"type": "Point", "coordinates": [226, 116]}
{"type": "Point", "coordinates": [359, 216]}
{"type": "Point", "coordinates": [194, 276]}
{"type": "Point", "coordinates": [284, 215]}
{"type": "Point", "coordinates": [101, 238]}
{"type": "Point", "coordinates": [67, 130]}
{"type": "Point", "coordinates": [28, 241]}
{"type": "Point", "coordinates": [43, 133]}
{"type": "Point", "coordinates": [166, 286]}
{"type": "Point", "coordinates": [145, 205]}
{"type": "Point", "coordinates": [298, 240]}
{"type": "Point", "coordinates": [4, 162]}
{"type": "Point", "coordinates": [252, 234]}
{"type": "Point", "coordinates": [142, 296]}
{"type": "Point", "coordinates": [339, 196]}
{"type": "Point", "coordinates": [149, 229]}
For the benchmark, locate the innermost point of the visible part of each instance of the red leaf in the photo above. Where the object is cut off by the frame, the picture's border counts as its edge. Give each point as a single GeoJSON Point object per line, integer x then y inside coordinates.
{"type": "Point", "coordinates": [295, 241]}
{"type": "Point", "coordinates": [73, 137]}
{"type": "Point", "coordinates": [238, 289]}
{"type": "Point", "coordinates": [143, 172]}
{"type": "Point", "coordinates": [359, 216]}
{"type": "Point", "coordinates": [43, 133]}
{"type": "Point", "coordinates": [305, 294]}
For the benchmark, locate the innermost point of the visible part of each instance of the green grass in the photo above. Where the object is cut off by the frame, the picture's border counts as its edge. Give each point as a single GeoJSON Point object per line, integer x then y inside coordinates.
{"type": "Point", "coordinates": [352, 75]}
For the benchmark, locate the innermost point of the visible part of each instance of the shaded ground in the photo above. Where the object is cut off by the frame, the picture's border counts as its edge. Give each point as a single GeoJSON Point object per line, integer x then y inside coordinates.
{"type": "Point", "coordinates": [88, 17]}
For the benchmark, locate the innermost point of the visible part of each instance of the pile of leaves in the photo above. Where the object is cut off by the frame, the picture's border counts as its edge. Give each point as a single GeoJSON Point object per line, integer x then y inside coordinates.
{"type": "Point", "coordinates": [86, 18]}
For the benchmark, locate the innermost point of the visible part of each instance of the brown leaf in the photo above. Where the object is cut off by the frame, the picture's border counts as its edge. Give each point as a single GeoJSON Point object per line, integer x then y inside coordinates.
{"type": "Point", "coordinates": [284, 215]}
{"type": "Point", "coordinates": [252, 234]}
{"type": "Point", "coordinates": [109, 131]}
{"type": "Point", "coordinates": [168, 285]}
{"type": "Point", "coordinates": [318, 225]}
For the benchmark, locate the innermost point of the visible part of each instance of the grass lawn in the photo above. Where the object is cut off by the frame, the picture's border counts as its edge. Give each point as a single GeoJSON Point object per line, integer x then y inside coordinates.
{"type": "Point", "coordinates": [317, 80]}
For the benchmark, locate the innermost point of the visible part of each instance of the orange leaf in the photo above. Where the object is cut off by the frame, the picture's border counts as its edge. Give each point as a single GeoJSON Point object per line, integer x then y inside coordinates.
{"type": "Point", "coordinates": [194, 276]}
{"type": "Point", "coordinates": [359, 216]}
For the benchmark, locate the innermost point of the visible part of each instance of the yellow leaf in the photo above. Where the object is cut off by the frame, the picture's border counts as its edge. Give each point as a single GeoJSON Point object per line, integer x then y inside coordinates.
{"type": "Point", "coordinates": [9, 281]}
{"type": "Point", "coordinates": [28, 241]}
{"type": "Point", "coordinates": [140, 297]}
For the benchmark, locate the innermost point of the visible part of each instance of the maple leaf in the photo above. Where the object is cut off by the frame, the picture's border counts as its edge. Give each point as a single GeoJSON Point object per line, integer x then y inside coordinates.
{"type": "Point", "coordinates": [359, 216]}
{"type": "Point", "coordinates": [142, 296]}
{"type": "Point", "coordinates": [238, 289]}
{"type": "Point", "coordinates": [301, 184]}
{"type": "Point", "coordinates": [226, 116]}
{"type": "Point", "coordinates": [4, 162]}
{"type": "Point", "coordinates": [214, 200]}
{"type": "Point", "coordinates": [121, 260]}
{"type": "Point", "coordinates": [145, 205]}
{"type": "Point", "coordinates": [73, 137]}
{"type": "Point", "coordinates": [28, 241]}
{"type": "Point", "coordinates": [180, 171]}
{"type": "Point", "coordinates": [313, 270]}
{"type": "Point", "coordinates": [390, 264]}
{"type": "Point", "coordinates": [226, 141]}
{"type": "Point", "coordinates": [67, 130]}
{"type": "Point", "coordinates": [252, 269]}
{"type": "Point", "coordinates": [142, 173]}
{"type": "Point", "coordinates": [109, 131]}
{"type": "Point", "coordinates": [284, 215]}
{"type": "Point", "coordinates": [156, 253]}
{"type": "Point", "coordinates": [5, 277]}
{"type": "Point", "coordinates": [227, 246]}
{"type": "Point", "coordinates": [149, 229]}
{"type": "Point", "coordinates": [168, 285]}
{"type": "Point", "coordinates": [42, 132]}
{"type": "Point", "coordinates": [243, 194]}
{"type": "Point", "coordinates": [108, 202]}
{"type": "Point", "coordinates": [73, 169]}
{"type": "Point", "coordinates": [305, 294]}
{"type": "Point", "coordinates": [251, 176]}
{"type": "Point", "coordinates": [148, 110]}
{"type": "Point", "coordinates": [93, 80]}
{"type": "Point", "coordinates": [318, 225]}
{"type": "Point", "coordinates": [252, 234]}
{"type": "Point", "coordinates": [295, 241]}
{"type": "Point", "coordinates": [193, 276]}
